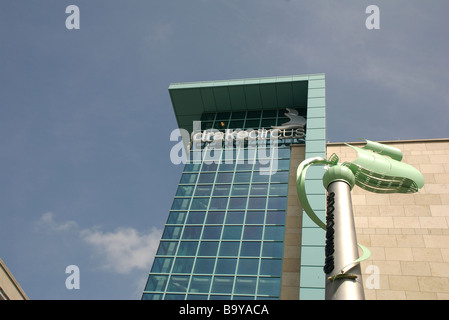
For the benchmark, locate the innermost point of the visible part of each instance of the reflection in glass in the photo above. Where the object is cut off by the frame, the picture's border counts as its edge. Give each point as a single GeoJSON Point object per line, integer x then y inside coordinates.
{"type": "Point", "coordinates": [156, 283]}
{"type": "Point", "coordinates": [187, 248]}
{"type": "Point", "coordinates": [178, 284]}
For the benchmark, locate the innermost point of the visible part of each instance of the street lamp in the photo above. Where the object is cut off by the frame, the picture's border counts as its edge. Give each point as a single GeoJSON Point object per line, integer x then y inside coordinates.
{"type": "Point", "coordinates": [377, 169]}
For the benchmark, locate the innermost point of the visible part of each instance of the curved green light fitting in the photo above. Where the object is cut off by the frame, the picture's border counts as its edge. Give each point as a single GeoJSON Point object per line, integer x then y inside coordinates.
{"type": "Point", "coordinates": [377, 169]}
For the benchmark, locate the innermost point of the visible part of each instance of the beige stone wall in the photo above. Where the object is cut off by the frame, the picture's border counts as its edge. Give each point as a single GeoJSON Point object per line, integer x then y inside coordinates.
{"type": "Point", "coordinates": [407, 234]}
{"type": "Point", "coordinates": [293, 227]}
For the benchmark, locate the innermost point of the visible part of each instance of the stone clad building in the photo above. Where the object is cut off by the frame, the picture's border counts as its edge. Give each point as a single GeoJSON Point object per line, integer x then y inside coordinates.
{"type": "Point", "coordinates": [407, 234]}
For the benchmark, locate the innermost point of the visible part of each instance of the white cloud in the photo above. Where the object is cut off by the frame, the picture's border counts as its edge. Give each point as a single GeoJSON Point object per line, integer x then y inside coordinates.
{"type": "Point", "coordinates": [125, 249]}
{"type": "Point", "coordinates": [121, 251]}
{"type": "Point", "coordinates": [47, 222]}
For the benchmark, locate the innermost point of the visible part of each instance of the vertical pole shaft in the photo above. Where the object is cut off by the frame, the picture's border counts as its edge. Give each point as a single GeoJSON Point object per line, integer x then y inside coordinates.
{"type": "Point", "coordinates": [341, 240]}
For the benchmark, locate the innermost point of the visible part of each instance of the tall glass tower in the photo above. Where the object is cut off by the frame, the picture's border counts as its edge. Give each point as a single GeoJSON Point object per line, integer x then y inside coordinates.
{"type": "Point", "coordinates": [235, 229]}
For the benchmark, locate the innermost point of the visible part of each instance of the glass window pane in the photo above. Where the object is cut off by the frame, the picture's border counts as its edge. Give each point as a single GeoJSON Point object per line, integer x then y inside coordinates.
{"type": "Point", "coordinates": [224, 177]}
{"type": "Point", "coordinates": [209, 166]}
{"type": "Point", "coordinates": [197, 297]}
{"type": "Point", "coordinates": [244, 177]}
{"type": "Point", "coordinates": [262, 165]}
{"type": "Point", "coordinates": [167, 248]}
{"type": "Point", "coordinates": [206, 178]}
{"type": "Point", "coordinates": [284, 152]}
{"type": "Point", "coordinates": [275, 217]}
{"type": "Point", "coordinates": [227, 165]}
{"type": "Point", "coordinates": [183, 265]}
{"type": "Point", "coordinates": [223, 116]}
{"type": "Point", "coordinates": [237, 203]}
{"type": "Point", "coordinates": [204, 265]}
{"type": "Point", "coordinates": [226, 265]}
{"type": "Point", "coordinates": [244, 165]}
{"type": "Point", "coordinates": [222, 190]}
{"type": "Point", "coordinates": [235, 217]}
{"type": "Point", "coordinates": [200, 284]}
{"type": "Point", "coordinates": [174, 296]}
{"type": "Point", "coordinates": [222, 284]}
{"type": "Point", "coordinates": [240, 190]}
{"type": "Point", "coordinates": [191, 232]}
{"type": "Point", "coordinates": [250, 249]}
{"type": "Point", "coordinates": [162, 265]}
{"type": "Point", "coordinates": [283, 164]}
{"type": "Point", "coordinates": [199, 203]}
{"type": "Point", "coordinates": [178, 284]}
{"type": "Point", "coordinates": [208, 248]}
{"type": "Point", "coordinates": [221, 125]}
{"type": "Point", "coordinates": [267, 123]}
{"type": "Point", "coordinates": [215, 217]}
{"type": "Point", "coordinates": [220, 297]}
{"type": "Point", "coordinates": [272, 267]}
{"type": "Point", "coordinates": [203, 190]}
{"type": "Point", "coordinates": [269, 286]}
{"type": "Point", "coordinates": [248, 266]}
{"type": "Point", "coordinates": [238, 114]}
{"type": "Point", "coordinates": [185, 190]}
{"type": "Point", "coordinates": [192, 167]}
{"type": "Point", "coordinates": [259, 189]}
{"type": "Point", "coordinates": [257, 177]}
{"type": "Point", "coordinates": [189, 178]}
{"type": "Point", "coordinates": [280, 176]}
{"type": "Point", "coordinates": [156, 283]}
{"type": "Point", "coordinates": [272, 249]}
{"type": "Point", "coordinates": [196, 217]}
{"type": "Point", "coordinates": [187, 248]}
{"type": "Point", "coordinates": [245, 285]}
{"type": "Point", "coordinates": [252, 124]}
{"type": "Point", "coordinates": [277, 203]}
{"type": "Point", "coordinates": [229, 248]}
{"type": "Point", "coordinates": [152, 296]}
{"type": "Point", "coordinates": [172, 232]}
{"type": "Point", "coordinates": [236, 124]}
{"type": "Point", "coordinates": [255, 217]}
{"type": "Point", "coordinates": [181, 204]}
{"type": "Point", "coordinates": [252, 233]}
{"type": "Point", "coordinates": [257, 202]}
{"type": "Point", "coordinates": [254, 114]}
{"type": "Point", "coordinates": [274, 233]}
{"type": "Point", "coordinates": [270, 113]}
{"type": "Point", "coordinates": [218, 203]}
{"type": "Point", "coordinates": [212, 232]}
{"type": "Point", "coordinates": [208, 116]}
{"type": "Point", "coordinates": [176, 217]}
{"type": "Point", "coordinates": [232, 232]}
{"type": "Point", "coordinates": [279, 189]}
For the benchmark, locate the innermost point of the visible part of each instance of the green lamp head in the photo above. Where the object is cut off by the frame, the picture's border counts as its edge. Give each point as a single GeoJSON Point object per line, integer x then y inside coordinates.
{"type": "Point", "coordinates": [379, 169]}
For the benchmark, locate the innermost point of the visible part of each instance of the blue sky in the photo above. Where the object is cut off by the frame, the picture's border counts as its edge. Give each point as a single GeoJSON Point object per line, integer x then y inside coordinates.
{"type": "Point", "coordinates": [85, 115]}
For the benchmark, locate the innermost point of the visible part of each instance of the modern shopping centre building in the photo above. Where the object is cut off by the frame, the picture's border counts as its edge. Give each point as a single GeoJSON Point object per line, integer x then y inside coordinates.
{"type": "Point", "coordinates": [236, 228]}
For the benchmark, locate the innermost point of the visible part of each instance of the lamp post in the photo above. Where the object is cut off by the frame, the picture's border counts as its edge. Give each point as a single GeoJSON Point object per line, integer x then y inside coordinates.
{"type": "Point", "coordinates": [378, 169]}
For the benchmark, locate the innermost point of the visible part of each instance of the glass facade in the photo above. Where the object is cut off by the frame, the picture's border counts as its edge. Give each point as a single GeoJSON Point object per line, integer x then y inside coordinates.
{"type": "Point", "coordinates": [229, 225]}
{"type": "Point", "coordinates": [224, 235]}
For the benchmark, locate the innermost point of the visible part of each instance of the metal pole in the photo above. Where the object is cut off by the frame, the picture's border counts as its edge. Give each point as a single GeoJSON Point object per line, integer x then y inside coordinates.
{"type": "Point", "coordinates": [343, 277]}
